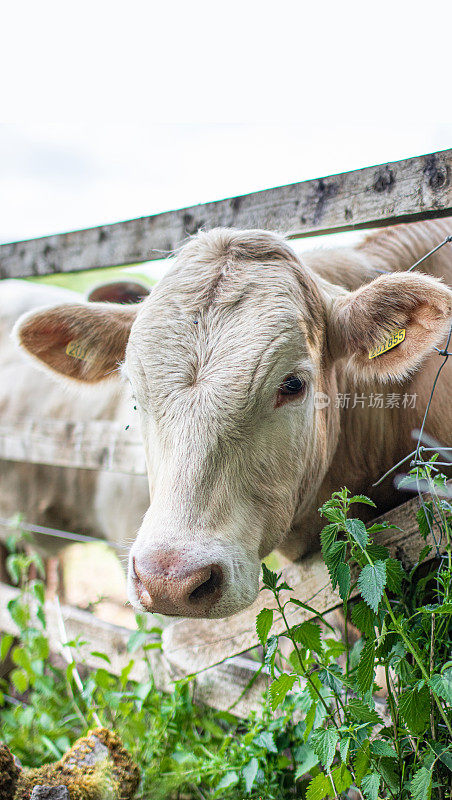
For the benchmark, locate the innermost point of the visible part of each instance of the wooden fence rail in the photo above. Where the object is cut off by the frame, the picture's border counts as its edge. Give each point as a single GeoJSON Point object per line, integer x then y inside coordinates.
{"type": "Point", "coordinates": [402, 191]}
{"type": "Point", "coordinates": [97, 444]}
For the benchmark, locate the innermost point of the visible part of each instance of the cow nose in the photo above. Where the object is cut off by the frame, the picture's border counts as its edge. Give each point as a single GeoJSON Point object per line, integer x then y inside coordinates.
{"type": "Point", "coordinates": [166, 584]}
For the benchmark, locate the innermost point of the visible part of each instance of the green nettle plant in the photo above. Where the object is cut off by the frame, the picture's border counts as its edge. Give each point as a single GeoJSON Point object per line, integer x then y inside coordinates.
{"type": "Point", "coordinates": [320, 733]}
{"type": "Point", "coordinates": [404, 619]}
{"type": "Point", "coordinates": [183, 751]}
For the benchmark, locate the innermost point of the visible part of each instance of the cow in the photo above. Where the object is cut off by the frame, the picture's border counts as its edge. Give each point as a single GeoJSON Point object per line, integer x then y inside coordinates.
{"type": "Point", "coordinates": [99, 504]}
{"type": "Point", "coordinates": [237, 360]}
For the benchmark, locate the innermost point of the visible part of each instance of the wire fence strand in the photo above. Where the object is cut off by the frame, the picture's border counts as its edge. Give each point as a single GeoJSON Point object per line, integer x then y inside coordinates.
{"type": "Point", "coordinates": [418, 484]}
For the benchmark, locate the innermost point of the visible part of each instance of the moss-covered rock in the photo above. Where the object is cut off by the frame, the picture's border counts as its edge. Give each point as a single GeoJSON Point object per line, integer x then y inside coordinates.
{"type": "Point", "coordinates": [97, 767]}
{"type": "Point", "coordinates": [9, 773]}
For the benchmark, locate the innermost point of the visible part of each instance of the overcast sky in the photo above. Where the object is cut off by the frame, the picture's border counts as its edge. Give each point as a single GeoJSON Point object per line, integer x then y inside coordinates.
{"type": "Point", "coordinates": [113, 111]}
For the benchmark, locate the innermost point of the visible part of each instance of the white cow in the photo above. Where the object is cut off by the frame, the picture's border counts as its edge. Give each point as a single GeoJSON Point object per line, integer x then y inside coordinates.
{"type": "Point", "coordinates": [107, 505]}
{"type": "Point", "coordinates": [228, 358]}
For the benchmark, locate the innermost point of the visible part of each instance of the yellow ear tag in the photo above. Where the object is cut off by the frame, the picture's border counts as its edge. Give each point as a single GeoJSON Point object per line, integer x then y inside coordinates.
{"type": "Point", "coordinates": [79, 350]}
{"type": "Point", "coordinates": [392, 341]}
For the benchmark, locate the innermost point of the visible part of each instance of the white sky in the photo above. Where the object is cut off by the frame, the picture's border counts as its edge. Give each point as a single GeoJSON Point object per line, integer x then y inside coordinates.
{"type": "Point", "coordinates": [111, 111]}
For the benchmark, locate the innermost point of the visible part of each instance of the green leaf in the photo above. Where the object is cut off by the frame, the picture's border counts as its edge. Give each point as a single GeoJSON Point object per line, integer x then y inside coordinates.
{"type": "Point", "coordinates": [309, 719]}
{"type": "Point", "coordinates": [249, 773]}
{"type": "Point", "coordinates": [125, 672]}
{"type": "Point", "coordinates": [38, 591]}
{"type": "Point", "coordinates": [444, 753]}
{"type": "Point", "coordinates": [421, 784]}
{"type": "Point", "coordinates": [414, 707]}
{"type": "Point", "coordinates": [358, 532]}
{"type": "Point", "coordinates": [343, 580]}
{"type": "Point", "coordinates": [279, 689]}
{"type": "Point", "coordinates": [229, 779]}
{"type": "Point", "coordinates": [362, 761]}
{"type": "Point", "coordinates": [388, 772]}
{"type": "Point", "coordinates": [328, 537]}
{"type": "Point", "coordinates": [342, 778]}
{"type": "Point", "coordinates": [20, 680]}
{"type": "Point", "coordinates": [21, 658]}
{"type": "Point", "coordinates": [332, 677]}
{"type": "Point", "coordinates": [269, 578]}
{"type": "Point", "coordinates": [319, 788]}
{"type": "Point", "coordinates": [422, 555]}
{"type": "Point", "coordinates": [332, 512]}
{"type": "Point", "coordinates": [312, 611]}
{"type": "Point", "coordinates": [265, 739]}
{"type": "Point", "coordinates": [344, 746]}
{"type": "Point", "coordinates": [378, 527]}
{"type": "Point", "coordinates": [41, 647]}
{"type": "Point", "coordinates": [395, 575]}
{"type": "Point", "coordinates": [102, 678]}
{"type": "Point", "coordinates": [333, 558]}
{"type": "Point", "coordinates": [371, 582]}
{"type": "Point", "coordinates": [308, 634]}
{"type": "Point", "coordinates": [361, 498]}
{"type": "Point", "coordinates": [382, 749]}
{"type": "Point", "coordinates": [425, 519]}
{"type": "Point", "coordinates": [370, 785]}
{"type": "Point", "coordinates": [270, 653]}
{"type": "Point", "coordinates": [364, 619]}
{"type": "Point", "coordinates": [377, 552]}
{"type": "Point", "coordinates": [362, 713]}
{"type": "Point", "coordinates": [51, 747]}
{"type": "Point", "coordinates": [334, 649]}
{"type": "Point", "coordinates": [365, 672]}
{"type": "Point", "coordinates": [136, 640]}
{"type": "Point", "coordinates": [324, 741]}
{"type": "Point", "coordinates": [98, 654]}
{"type": "Point", "coordinates": [442, 685]}
{"type": "Point", "coordinates": [306, 759]}
{"type": "Point", "coordinates": [264, 622]}
{"type": "Point", "coordinates": [5, 645]}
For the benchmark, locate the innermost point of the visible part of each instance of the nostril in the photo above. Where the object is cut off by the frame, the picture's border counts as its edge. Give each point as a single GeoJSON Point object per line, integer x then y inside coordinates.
{"type": "Point", "coordinates": [208, 587]}
{"type": "Point", "coordinates": [136, 577]}
{"type": "Point", "coordinates": [141, 590]}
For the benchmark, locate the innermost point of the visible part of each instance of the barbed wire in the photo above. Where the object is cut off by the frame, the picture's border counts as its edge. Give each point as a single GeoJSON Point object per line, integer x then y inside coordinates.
{"type": "Point", "coordinates": [421, 485]}
{"type": "Point", "coordinates": [56, 533]}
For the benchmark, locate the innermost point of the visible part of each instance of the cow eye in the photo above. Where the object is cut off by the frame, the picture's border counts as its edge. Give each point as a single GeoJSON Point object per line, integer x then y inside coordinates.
{"type": "Point", "coordinates": [290, 389]}
{"type": "Point", "coordinates": [292, 386]}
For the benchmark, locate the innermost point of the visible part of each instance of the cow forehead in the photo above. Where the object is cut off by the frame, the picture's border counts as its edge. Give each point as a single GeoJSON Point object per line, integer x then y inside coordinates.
{"type": "Point", "coordinates": [166, 332]}
{"type": "Point", "coordinates": [178, 350]}
{"type": "Point", "coordinates": [231, 300]}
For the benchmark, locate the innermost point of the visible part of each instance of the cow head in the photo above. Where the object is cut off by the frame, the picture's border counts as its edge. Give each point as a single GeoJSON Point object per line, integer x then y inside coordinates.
{"type": "Point", "coordinates": [225, 358]}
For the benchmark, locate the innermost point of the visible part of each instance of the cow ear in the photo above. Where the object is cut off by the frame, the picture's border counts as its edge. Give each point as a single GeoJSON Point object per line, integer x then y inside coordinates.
{"type": "Point", "coordinates": [387, 327]}
{"type": "Point", "coordinates": [118, 292]}
{"type": "Point", "coordinates": [85, 342]}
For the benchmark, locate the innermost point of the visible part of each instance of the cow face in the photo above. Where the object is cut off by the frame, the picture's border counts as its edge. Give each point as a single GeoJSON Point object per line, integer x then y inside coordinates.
{"type": "Point", "coordinates": [226, 358]}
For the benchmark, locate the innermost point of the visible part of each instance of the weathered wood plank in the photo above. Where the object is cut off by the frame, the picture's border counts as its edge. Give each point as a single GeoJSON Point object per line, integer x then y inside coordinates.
{"type": "Point", "coordinates": [198, 644]}
{"type": "Point", "coordinates": [408, 190]}
{"type": "Point", "coordinates": [97, 444]}
{"type": "Point", "coordinates": [213, 687]}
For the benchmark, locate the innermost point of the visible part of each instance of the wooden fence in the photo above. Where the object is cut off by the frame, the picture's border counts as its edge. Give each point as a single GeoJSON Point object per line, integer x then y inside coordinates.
{"type": "Point", "coordinates": [409, 190]}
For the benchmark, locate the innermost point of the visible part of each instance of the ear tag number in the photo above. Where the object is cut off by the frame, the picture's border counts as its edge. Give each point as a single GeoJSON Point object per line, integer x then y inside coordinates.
{"type": "Point", "coordinates": [392, 341]}
{"type": "Point", "coordinates": [79, 350]}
